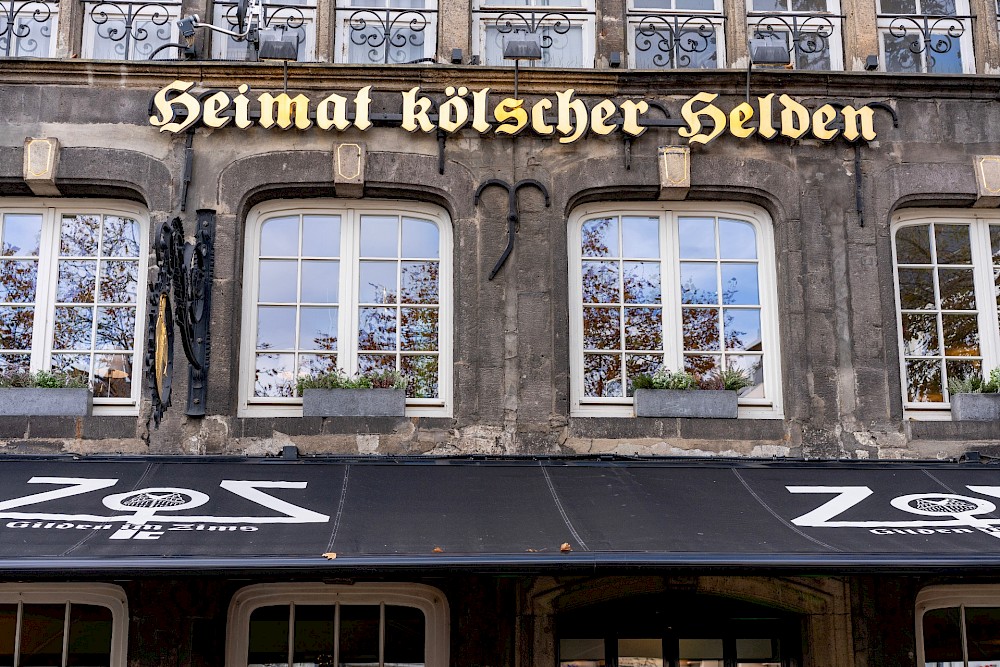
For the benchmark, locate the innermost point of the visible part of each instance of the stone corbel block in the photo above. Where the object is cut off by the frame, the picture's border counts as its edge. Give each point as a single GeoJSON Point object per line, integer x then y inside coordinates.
{"type": "Point", "coordinates": [675, 172]}
{"type": "Point", "coordinates": [987, 180]}
{"type": "Point", "coordinates": [349, 169]}
{"type": "Point", "coordinates": [41, 162]}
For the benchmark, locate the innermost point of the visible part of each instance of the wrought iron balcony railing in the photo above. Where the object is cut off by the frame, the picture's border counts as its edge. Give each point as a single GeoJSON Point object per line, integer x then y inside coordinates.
{"type": "Point", "coordinates": [812, 39]}
{"type": "Point", "coordinates": [128, 30]}
{"type": "Point", "coordinates": [676, 40]}
{"type": "Point", "coordinates": [560, 34]}
{"type": "Point", "coordinates": [26, 27]}
{"type": "Point", "coordinates": [387, 35]}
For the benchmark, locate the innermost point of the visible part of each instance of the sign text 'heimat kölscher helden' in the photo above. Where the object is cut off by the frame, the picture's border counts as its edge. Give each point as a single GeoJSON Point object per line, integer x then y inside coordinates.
{"type": "Point", "coordinates": [564, 116]}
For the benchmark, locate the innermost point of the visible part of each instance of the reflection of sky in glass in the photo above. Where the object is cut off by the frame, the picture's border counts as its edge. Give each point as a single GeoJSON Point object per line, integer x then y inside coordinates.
{"type": "Point", "coordinates": [602, 375]}
{"type": "Point", "coordinates": [418, 330]}
{"type": "Point", "coordinates": [377, 283]}
{"type": "Point", "coordinates": [737, 239]}
{"type": "Point", "coordinates": [379, 236]}
{"type": "Point", "coordinates": [16, 325]}
{"type": "Point", "coordinates": [21, 234]}
{"type": "Point", "coordinates": [321, 235]}
{"type": "Point", "coordinates": [753, 365]}
{"type": "Point", "coordinates": [121, 237]}
{"type": "Point", "coordinates": [739, 284]}
{"type": "Point", "coordinates": [276, 328]}
{"type": "Point", "coordinates": [642, 282]}
{"type": "Point", "coordinates": [957, 289]}
{"type": "Point", "coordinates": [699, 283]}
{"type": "Point", "coordinates": [640, 237]}
{"type": "Point", "coordinates": [961, 335]}
{"type": "Point", "coordinates": [420, 239]}
{"type": "Point", "coordinates": [419, 282]}
{"type": "Point", "coordinates": [599, 238]}
{"type": "Point", "coordinates": [916, 289]}
{"type": "Point", "coordinates": [77, 281]}
{"type": "Point", "coordinates": [274, 375]}
{"type": "Point", "coordinates": [701, 328]}
{"type": "Point", "coordinates": [318, 329]}
{"type": "Point", "coordinates": [320, 281]}
{"type": "Point", "coordinates": [79, 235]}
{"type": "Point", "coordinates": [18, 280]}
{"type": "Point", "coordinates": [600, 282]}
{"type": "Point", "coordinates": [116, 328]}
{"type": "Point", "coordinates": [277, 281]}
{"type": "Point", "coordinates": [279, 237]}
{"type": "Point", "coordinates": [72, 329]}
{"type": "Point", "coordinates": [697, 237]}
{"type": "Point", "coordinates": [643, 329]}
{"type": "Point", "coordinates": [742, 329]}
{"type": "Point", "coordinates": [601, 328]}
{"type": "Point", "coordinates": [377, 328]}
{"type": "Point", "coordinates": [119, 281]}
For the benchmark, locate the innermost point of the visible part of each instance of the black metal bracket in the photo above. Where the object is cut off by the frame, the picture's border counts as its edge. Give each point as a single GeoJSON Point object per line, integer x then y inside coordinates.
{"type": "Point", "coordinates": [184, 286]}
{"type": "Point", "coordinates": [513, 214]}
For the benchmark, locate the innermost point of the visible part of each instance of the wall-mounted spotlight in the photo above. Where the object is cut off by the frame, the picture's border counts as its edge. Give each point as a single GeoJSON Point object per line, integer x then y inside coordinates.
{"type": "Point", "coordinates": [456, 56]}
{"type": "Point", "coordinates": [521, 49]}
{"type": "Point", "coordinates": [871, 63]}
{"type": "Point", "coordinates": [615, 59]}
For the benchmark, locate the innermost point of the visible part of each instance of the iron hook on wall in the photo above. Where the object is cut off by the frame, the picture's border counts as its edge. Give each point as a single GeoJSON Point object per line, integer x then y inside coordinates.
{"type": "Point", "coordinates": [513, 214]}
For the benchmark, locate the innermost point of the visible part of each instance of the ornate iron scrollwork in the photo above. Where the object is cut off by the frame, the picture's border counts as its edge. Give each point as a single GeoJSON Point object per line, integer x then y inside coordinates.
{"type": "Point", "coordinates": [387, 33]}
{"type": "Point", "coordinates": [676, 37]}
{"type": "Point", "coordinates": [513, 213]}
{"type": "Point", "coordinates": [181, 294]}
{"type": "Point", "coordinates": [125, 24]}
{"type": "Point", "coordinates": [17, 21]}
{"type": "Point", "coordinates": [273, 15]}
{"type": "Point", "coordinates": [804, 34]}
{"type": "Point", "coordinates": [933, 34]}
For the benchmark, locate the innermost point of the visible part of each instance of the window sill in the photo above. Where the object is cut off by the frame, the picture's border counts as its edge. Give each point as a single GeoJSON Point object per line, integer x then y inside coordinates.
{"type": "Point", "coordinates": [745, 412]}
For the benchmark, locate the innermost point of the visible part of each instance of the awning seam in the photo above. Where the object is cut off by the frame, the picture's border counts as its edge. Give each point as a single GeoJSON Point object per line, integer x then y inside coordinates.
{"type": "Point", "coordinates": [562, 512]}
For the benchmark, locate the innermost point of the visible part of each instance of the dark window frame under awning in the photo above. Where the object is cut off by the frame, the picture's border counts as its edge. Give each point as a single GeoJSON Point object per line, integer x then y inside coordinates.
{"type": "Point", "coordinates": [207, 515]}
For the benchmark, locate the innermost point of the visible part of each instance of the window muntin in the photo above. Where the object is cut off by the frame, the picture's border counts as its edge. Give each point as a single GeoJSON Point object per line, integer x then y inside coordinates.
{"type": "Point", "coordinates": [564, 30]}
{"type": "Point", "coordinates": [390, 624]}
{"type": "Point", "coordinates": [690, 287]}
{"type": "Point", "coordinates": [28, 29]}
{"type": "Point", "coordinates": [945, 269]}
{"type": "Point", "coordinates": [130, 30]}
{"type": "Point", "coordinates": [674, 34]}
{"type": "Point", "coordinates": [71, 292]}
{"type": "Point", "coordinates": [386, 31]}
{"type": "Point", "coordinates": [284, 19]}
{"type": "Point", "coordinates": [77, 625]}
{"type": "Point", "coordinates": [958, 626]}
{"type": "Point", "coordinates": [809, 29]}
{"type": "Point", "coordinates": [358, 287]}
{"type": "Point", "coordinates": [933, 36]}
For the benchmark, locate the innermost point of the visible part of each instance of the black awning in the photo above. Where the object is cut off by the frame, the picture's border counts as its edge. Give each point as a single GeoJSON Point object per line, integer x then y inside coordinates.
{"type": "Point", "coordinates": [167, 514]}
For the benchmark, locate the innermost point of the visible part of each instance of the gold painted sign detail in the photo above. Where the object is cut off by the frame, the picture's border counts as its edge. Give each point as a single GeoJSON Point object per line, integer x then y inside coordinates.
{"type": "Point", "coordinates": [565, 117]}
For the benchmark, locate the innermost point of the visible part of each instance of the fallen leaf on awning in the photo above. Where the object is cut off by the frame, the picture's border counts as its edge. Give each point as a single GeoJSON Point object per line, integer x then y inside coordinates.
{"type": "Point", "coordinates": [565, 547]}
{"type": "Point", "coordinates": [438, 550]}
{"type": "Point", "coordinates": [532, 551]}
{"type": "Point", "coordinates": [330, 556]}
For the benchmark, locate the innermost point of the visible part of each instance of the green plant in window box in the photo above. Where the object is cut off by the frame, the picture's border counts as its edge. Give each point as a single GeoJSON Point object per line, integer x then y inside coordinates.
{"type": "Point", "coordinates": [370, 394]}
{"type": "Point", "coordinates": [45, 394]}
{"type": "Point", "coordinates": [667, 393]}
{"type": "Point", "coordinates": [974, 397]}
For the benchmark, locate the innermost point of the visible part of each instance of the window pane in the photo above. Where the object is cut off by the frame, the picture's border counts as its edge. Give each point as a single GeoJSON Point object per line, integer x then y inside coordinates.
{"type": "Point", "coordinates": [317, 328]}
{"type": "Point", "coordinates": [376, 362]}
{"type": "Point", "coordinates": [599, 238]}
{"type": "Point", "coordinates": [642, 282]}
{"type": "Point", "coordinates": [90, 628]}
{"type": "Point", "coordinates": [112, 375]}
{"type": "Point", "coordinates": [13, 363]}
{"type": "Point", "coordinates": [742, 327]}
{"type": "Point", "coordinates": [754, 649]}
{"type": "Point", "coordinates": [913, 245]}
{"type": "Point", "coordinates": [320, 282]}
{"type": "Point", "coordinates": [404, 636]}
{"type": "Point", "coordinates": [77, 282]}
{"type": "Point", "coordinates": [945, 56]}
{"type": "Point", "coordinates": [640, 653]}
{"type": "Point", "coordinates": [982, 629]}
{"type": "Point", "coordinates": [321, 235]}
{"type": "Point", "coordinates": [602, 375]}
{"type": "Point", "coordinates": [8, 631]}
{"type": "Point", "coordinates": [72, 329]}
{"type": "Point", "coordinates": [79, 235]}
{"type": "Point", "coordinates": [601, 329]}
{"type": "Point", "coordinates": [116, 328]}
{"type": "Point", "coordinates": [276, 328]}
{"type": "Point", "coordinates": [377, 283]}
{"type": "Point", "coordinates": [901, 52]}
{"type": "Point", "coordinates": [420, 239]}
{"type": "Point", "coordinates": [377, 328]}
{"type": "Point", "coordinates": [899, 6]}
{"type": "Point", "coordinates": [699, 283]}
{"type": "Point", "coordinates": [418, 329]}
{"type": "Point", "coordinates": [640, 237]}
{"type": "Point", "coordinates": [923, 380]}
{"type": "Point", "coordinates": [42, 635]}
{"type": "Point", "coordinates": [119, 281]}
{"type": "Point", "coordinates": [421, 372]}
{"type": "Point", "coordinates": [920, 335]}
{"type": "Point", "coordinates": [753, 366]}
{"type": "Point", "coordinates": [952, 242]}
{"type": "Point", "coordinates": [359, 633]}
{"type": "Point", "coordinates": [379, 236]}
{"type": "Point", "coordinates": [278, 281]}
{"type": "Point", "coordinates": [957, 289]}
{"type": "Point", "coordinates": [18, 281]}
{"type": "Point", "coordinates": [274, 375]}
{"type": "Point", "coordinates": [317, 364]}
{"type": "Point", "coordinates": [581, 653]}
{"type": "Point", "coordinates": [419, 282]}
{"type": "Point", "coordinates": [21, 234]}
{"type": "Point", "coordinates": [643, 329]}
{"type": "Point", "coordinates": [636, 364]}
{"type": "Point", "coordinates": [15, 327]}
{"type": "Point", "coordinates": [76, 365]}
{"type": "Point", "coordinates": [314, 634]}
{"type": "Point", "coordinates": [739, 284]}
{"type": "Point", "coordinates": [737, 239]}
{"type": "Point", "coordinates": [916, 289]}
{"type": "Point", "coordinates": [700, 649]}
{"type": "Point", "coordinates": [995, 242]}
{"type": "Point", "coordinates": [268, 636]}
{"type": "Point", "coordinates": [701, 365]}
{"type": "Point", "coordinates": [961, 335]}
{"type": "Point", "coordinates": [701, 328]}
{"type": "Point", "coordinates": [279, 237]}
{"type": "Point", "coordinates": [121, 237]}
{"type": "Point", "coordinates": [697, 238]}
{"type": "Point", "coordinates": [943, 637]}
{"type": "Point", "coordinates": [600, 282]}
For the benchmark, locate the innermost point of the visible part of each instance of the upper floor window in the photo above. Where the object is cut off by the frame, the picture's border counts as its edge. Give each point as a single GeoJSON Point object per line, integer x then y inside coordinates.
{"type": "Point", "coordinates": [676, 34]}
{"type": "Point", "coordinates": [958, 626]}
{"type": "Point", "coordinates": [386, 31]}
{"type": "Point", "coordinates": [564, 30]}
{"type": "Point", "coordinates": [690, 287]}
{"type": "Point", "coordinates": [810, 30]}
{"type": "Point", "coordinates": [926, 36]}
{"type": "Point", "coordinates": [28, 29]}
{"type": "Point", "coordinates": [63, 624]}
{"type": "Point", "coordinates": [324, 624]}
{"type": "Point", "coordinates": [355, 286]}
{"type": "Point", "coordinates": [947, 270]}
{"type": "Point", "coordinates": [130, 30]}
{"type": "Point", "coordinates": [71, 293]}
{"type": "Point", "coordinates": [292, 20]}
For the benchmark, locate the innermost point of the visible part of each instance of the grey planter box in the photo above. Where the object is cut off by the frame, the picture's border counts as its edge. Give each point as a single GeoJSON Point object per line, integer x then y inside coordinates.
{"type": "Point", "coordinates": [35, 402]}
{"type": "Point", "coordinates": [353, 403]}
{"type": "Point", "coordinates": [975, 407]}
{"type": "Point", "coordinates": [702, 403]}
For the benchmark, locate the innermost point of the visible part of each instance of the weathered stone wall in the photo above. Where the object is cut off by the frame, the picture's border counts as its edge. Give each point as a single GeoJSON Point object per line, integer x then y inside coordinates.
{"type": "Point", "coordinates": [837, 323]}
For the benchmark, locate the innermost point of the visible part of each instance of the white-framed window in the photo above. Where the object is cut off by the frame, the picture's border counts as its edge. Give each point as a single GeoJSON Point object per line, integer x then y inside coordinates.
{"type": "Point", "coordinates": [946, 273]}
{"type": "Point", "coordinates": [675, 34]}
{"type": "Point", "coordinates": [293, 20]}
{"type": "Point", "coordinates": [130, 30]}
{"type": "Point", "coordinates": [378, 32]}
{"type": "Point", "coordinates": [958, 626]}
{"type": "Point", "coordinates": [28, 29]}
{"type": "Point", "coordinates": [926, 36]}
{"type": "Point", "coordinates": [350, 285]}
{"type": "Point", "coordinates": [564, 30]}
{"type": "Point", "coordinates": [809, 29]}
{"type": "Point", "coordinates": [687, 286]}
{"type": "Point", "coordinates": [397, 624]}
{"type": "Point", "coordinates": [72, 293]}
{"type": "Point", "coordinates": [63, 624]}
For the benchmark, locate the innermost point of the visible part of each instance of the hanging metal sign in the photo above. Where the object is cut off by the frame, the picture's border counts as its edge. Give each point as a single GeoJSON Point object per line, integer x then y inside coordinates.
{"type": "Point", "coordinates": [565, 117]}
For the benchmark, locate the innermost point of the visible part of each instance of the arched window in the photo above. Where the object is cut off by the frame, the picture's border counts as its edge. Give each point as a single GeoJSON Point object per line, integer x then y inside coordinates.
{"type": "Point", "coordinates": [687, 287]}
{"type": "Point", "coordinates": [363, 623]}
{"type": "Point", "coordinates": [355, 286]}
{"type": "Point", "coordinates": [958, 626]}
